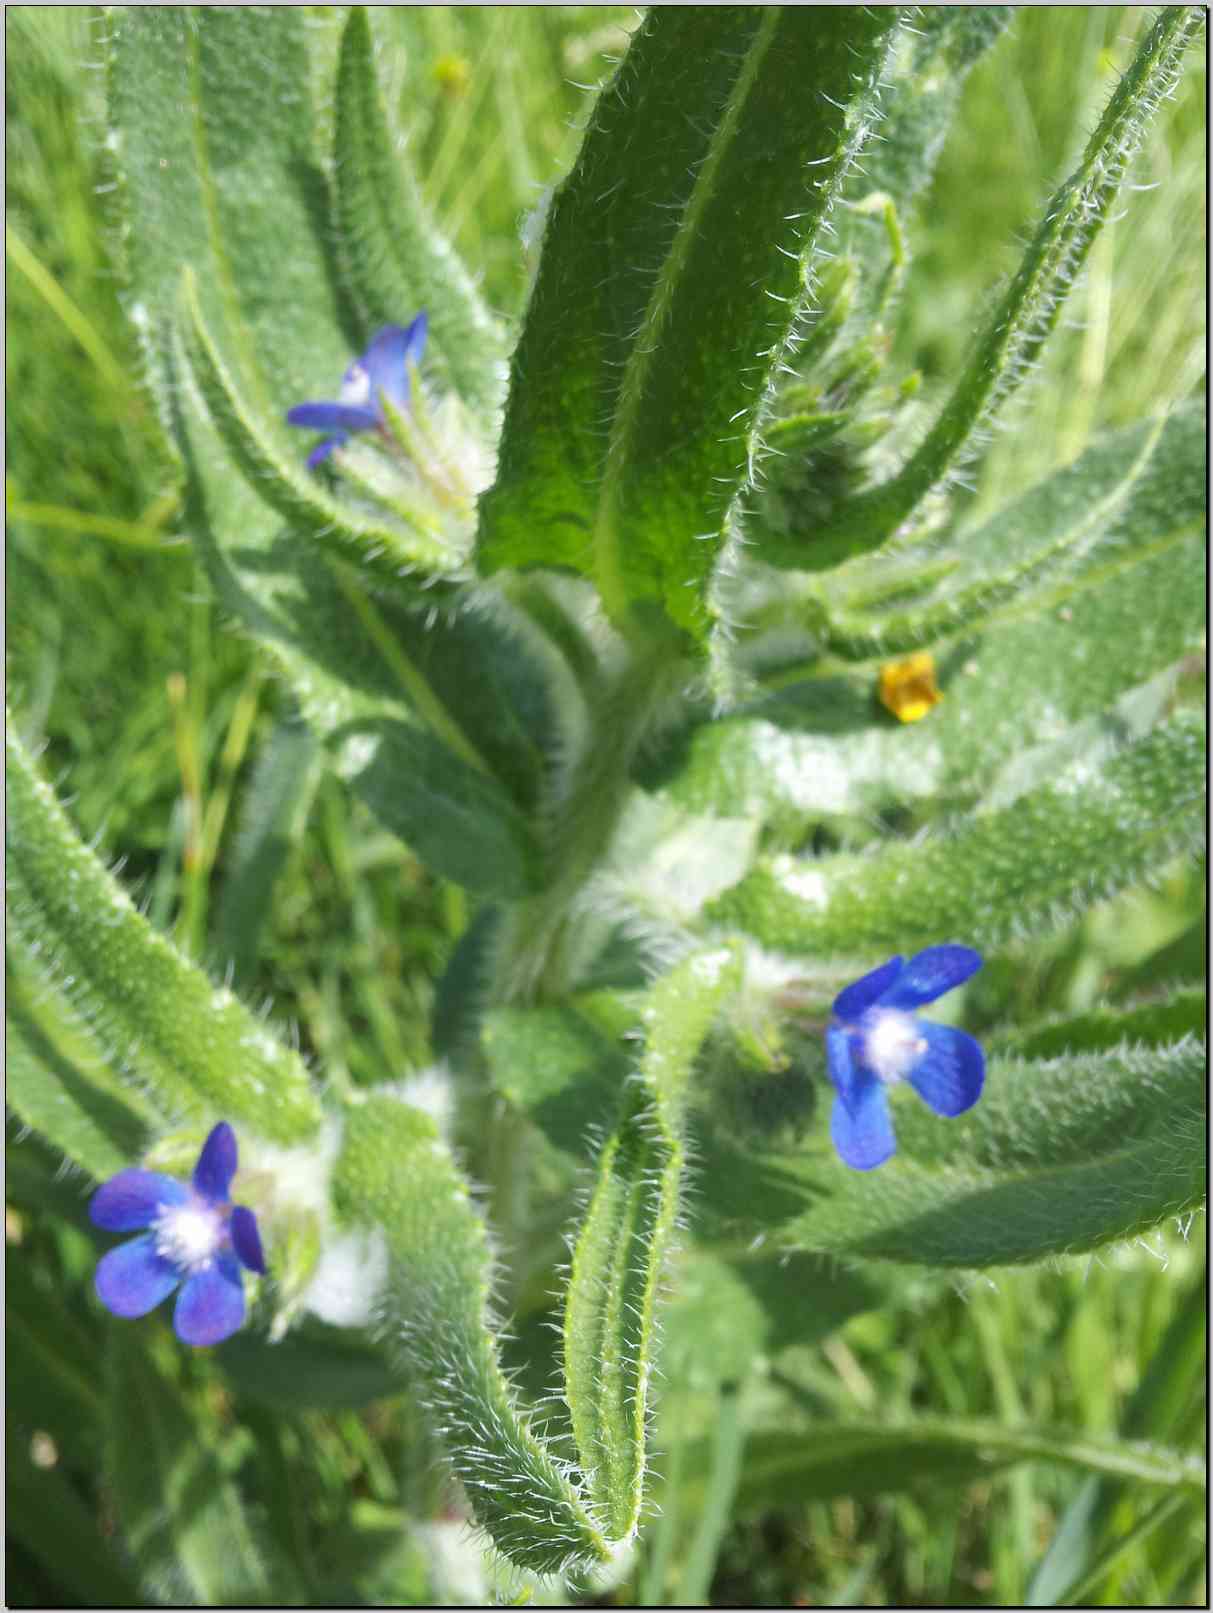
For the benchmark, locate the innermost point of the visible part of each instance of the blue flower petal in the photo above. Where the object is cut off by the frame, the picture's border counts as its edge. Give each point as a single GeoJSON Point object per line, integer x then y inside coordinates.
{"type": "Point", "coordinates": [332, 417]}
{"type": "Point", "coordinates": [862, 993]}
{"type": "Point", "coordinates": [323, 449]}
{"type": "Point", "coordinates": [216, 1164]}
{"type": "Point", "coordinates": [211, 1305]}
{"type": "Point", "coordinates": [851, 1079]}
{"type": "Point", "coordinates": [929, 974]}
{"type": "Point", "coordinates": [949, 1075]}
{"type": "Point", "coordinates": [387, 359]}
{"type": "Point", "coordinates": [132, 1279]}
{"type": "Point", "coordinates": [864, 1136]}
{"type": "Point", "coordinates": [246, 1239]}
{"type": "Point", "coordinates": [131, 1200]}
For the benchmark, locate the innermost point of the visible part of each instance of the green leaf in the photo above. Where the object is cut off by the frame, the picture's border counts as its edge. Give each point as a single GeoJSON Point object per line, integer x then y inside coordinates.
{"type": "Point", "coordinates": [1153, 1024]}
{"type": "Point", "coordinates": [272, 815]}
{"type": "Point", "coordinates": [1028, 311]}
{"type": "Point", "coordinates": [48, 1519]}
{"type": "Point", "coordinates": [235, 190]}
{"type": "Point", "coordinates": [932, 58]}
{"type": "Point", "coordinates": [999, 873]}
{"type": "Point", "coordinates": [623, 1243]}
{"type": "Point", "coordinates": [672, 273]}
{"type": "Point", "coordinates": [457, 818]}
{"type": "Point", "coordinates": [178, 1509]}
{"type": "Point", "coordinates": [1059, 1156]}
{"type": "Point", "coordinates": [1163, 1511]}
{"type": "Point", "coordinates": [559, 1069]}
{"type": "Point", "coordinates": [394, 1173]}
{"type": "Point", "coordinates": [865, 1459]}
{"type": "Point", "coordinates": [316, 1366]}
{"type": "Point", "coordinates": [58, 1081]}
{"type": "Point", "coordinates": [165, 1027]}
{"type": "Point", "coordinates": [716, 1516]}
{"type": "Point", "coordinates": [1130, 497]}
{"type": "Point", "coordinates": [728, 1313]}
{"type": "Point", "coordinates": [1035, 687]}
{"type": "Point", "coordinates": [395, 259]}
{"type": "Point", "coordinates": [51, 1365]}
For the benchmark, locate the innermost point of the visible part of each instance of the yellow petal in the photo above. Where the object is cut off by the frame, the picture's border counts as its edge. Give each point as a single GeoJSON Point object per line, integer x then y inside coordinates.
{"type": "Point", "coordinates": [908, 688]}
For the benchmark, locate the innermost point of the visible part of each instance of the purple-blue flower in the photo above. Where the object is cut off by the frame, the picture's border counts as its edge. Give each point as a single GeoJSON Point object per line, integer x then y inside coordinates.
{"type": "Point", "coordinates": [195, 1239]}
{"type": "Point", "coordinates": [875, 1040]}
{"type": "Point", "coordinates": [384, 367]}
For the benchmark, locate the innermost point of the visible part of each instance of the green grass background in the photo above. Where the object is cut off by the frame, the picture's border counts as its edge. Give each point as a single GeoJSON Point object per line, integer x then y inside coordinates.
{"type": "Point", "coordinates": [151, 710]}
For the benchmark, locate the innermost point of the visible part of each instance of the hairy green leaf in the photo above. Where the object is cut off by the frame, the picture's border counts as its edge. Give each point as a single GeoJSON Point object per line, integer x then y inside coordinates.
{"type": "Point", "coordinates": [166, 1028]}
{"type": "Point", "coordinates": [559, 1069]}
{"type": "Point", "coordinates": [999, 873]}
{"type": "Point", "coordinates": [234, 189]}
{"type": "Point", "coordinates": [1029, 310]}
{"type": "Point", "coordinates": [1166, 1019]}
{"type": "Point", "coordinates": [395, 259]}
{"type": "Point", "coordinates": [667, 294]}
{"type": "Point", "coordinates": [1130, 497]}
{"type": "Point", "coordinates": [394, 1173]}
{"type": "Point", "coordinates": [1059, 1155]}
{"type": "Point", "coordinates": [58, 1081]}
{"type": "Point", "coordinates": [624, 1241]}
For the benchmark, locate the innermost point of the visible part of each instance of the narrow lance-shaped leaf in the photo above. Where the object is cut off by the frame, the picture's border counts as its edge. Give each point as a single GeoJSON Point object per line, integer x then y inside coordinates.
{"type": "Point", "coordinates": [866, 1459]}
{"type": "Point", "coordinates": [1155, 1023]}
{"type": "Point", "coordinates": [1000, 874]}
{"type": "Point", "coordinates": [931, 58]}
{"type": "Point", "coordinates": [609, 226]}
{"type": "Point", "coordinates": [1060, 1156]}
{"type": "Point", "coordinates": [395, 259]}
{"type": "Point", "coordinates": [58, 1081]}
{"type": "Point", "coordinates": [1130, 496]}
{"type": "Point", "coordinates": [235, 190]}
{"type": "Point", "coordinates": [609, 1322]}
{"type": "Point", "coordinates": [647, 360]}
{"type": "Point", "coordinates": [271, 822]}
{"type": "Point", "coordinates": [1032, 303]}
{"type": "Point", "coordinates": [169, 1031]}
{"type": "Point", "coordinates": [395, 1174]}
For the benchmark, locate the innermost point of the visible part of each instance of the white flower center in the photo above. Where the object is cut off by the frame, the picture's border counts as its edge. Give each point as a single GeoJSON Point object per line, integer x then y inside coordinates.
{"type": "Point", "coordinates": [892, 1044]}
{"type": "Point", "coordinates": [188, 1235]}
{"type": "Point", "coordinates": [356, 387]}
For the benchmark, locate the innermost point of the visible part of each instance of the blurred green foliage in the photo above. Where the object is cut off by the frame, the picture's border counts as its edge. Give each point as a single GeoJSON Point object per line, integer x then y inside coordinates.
{"type": "Point", "coordinates": [106, 609]}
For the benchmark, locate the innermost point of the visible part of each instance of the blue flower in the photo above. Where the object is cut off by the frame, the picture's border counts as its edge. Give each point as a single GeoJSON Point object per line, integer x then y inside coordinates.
{"type": "Point", "coordinates": [874, 1041]}
{"type": "Point", "coordinates": [196, 1239]}
{"type": "Point", "coordinates": [384, 367]}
